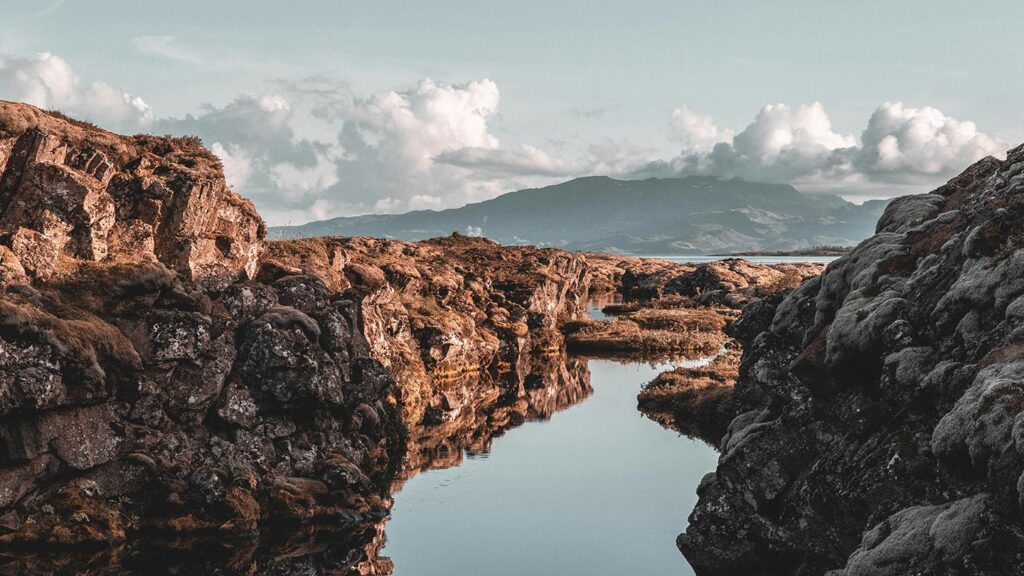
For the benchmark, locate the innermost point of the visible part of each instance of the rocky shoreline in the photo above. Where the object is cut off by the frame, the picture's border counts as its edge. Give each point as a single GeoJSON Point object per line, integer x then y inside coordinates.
{"type": "Point", "coordinates": [170, 380]}
{"type": "Point", "coordinates": [880, 406]}
{"type": "Point", "coordinates": [165, 370]}
{"type": "Point", "coordinates": [687, 312]}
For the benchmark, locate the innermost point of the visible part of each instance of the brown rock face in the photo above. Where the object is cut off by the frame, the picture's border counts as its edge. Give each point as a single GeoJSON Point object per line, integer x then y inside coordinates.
{"type": "Point", "coordinates": [672, 308]}
{"type": "Point", "coordinates": [729, 282]}
{"type": "Point", "coordinates": [134, 400]}
{"type": "Point", "coordinates": [160, 374]}
{"type": "Point", "coordinates": [71, 192]}
{"type": "Point", "coordinates": [452, 317]}
{"type": "Point", "coordinates": [694, 401]}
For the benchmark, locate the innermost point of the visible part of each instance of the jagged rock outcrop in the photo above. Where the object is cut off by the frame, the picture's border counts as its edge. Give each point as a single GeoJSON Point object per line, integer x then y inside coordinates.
{"type": "Point", "coordinates": [165, 371]}
{"type": "Point", "coordinates": [673, 308]}
{"type": "Point", "coordinates": [452, 318]}
{"type": "Point", "coordinates": [71, 192]}
{"type": "Point", "coordinates": [734, 281]}
{"type": "Point", "coordinates": [880, 425]}
{"type": "Point", "coordinates": [133, 400]}
{"type": "Point", "coordinates": [633, 277]}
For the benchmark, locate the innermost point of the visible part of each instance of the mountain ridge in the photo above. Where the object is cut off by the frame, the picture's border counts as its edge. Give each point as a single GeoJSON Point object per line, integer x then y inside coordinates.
{"type": "Point", "coordinates": [694, 214]}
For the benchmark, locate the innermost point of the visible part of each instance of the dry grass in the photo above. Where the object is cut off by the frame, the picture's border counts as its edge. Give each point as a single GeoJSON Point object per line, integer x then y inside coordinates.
{"type": "Point", "coordinates": [650, 333]}
{"type": "Point", "coordinates": [695, 401]}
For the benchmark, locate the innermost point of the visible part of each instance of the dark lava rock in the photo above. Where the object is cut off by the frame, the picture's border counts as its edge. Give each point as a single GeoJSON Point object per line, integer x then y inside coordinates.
{"type": "Point", "coordinates": [880, 425]}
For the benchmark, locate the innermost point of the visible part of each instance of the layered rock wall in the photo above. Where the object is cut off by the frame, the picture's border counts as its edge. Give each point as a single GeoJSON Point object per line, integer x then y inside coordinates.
{"type": "Point", "coordinates": [455, 319]}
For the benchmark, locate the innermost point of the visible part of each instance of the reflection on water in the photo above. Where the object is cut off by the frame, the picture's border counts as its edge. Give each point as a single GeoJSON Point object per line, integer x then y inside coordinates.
{"type": "Point", "coordinates": [281, 551]}
{"type": "Point", "coordinates": [596, 303]}
{"type": "Point", "coordinates": [584, 485]}
{"type": "Point", "coordinates": [595, 490]}
{"type": "Point", "coordinates": [553, 383]}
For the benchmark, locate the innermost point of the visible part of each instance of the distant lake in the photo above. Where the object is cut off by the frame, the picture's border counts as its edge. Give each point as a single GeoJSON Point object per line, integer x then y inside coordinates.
{"type": "Point", "coordinates": [696, 259]}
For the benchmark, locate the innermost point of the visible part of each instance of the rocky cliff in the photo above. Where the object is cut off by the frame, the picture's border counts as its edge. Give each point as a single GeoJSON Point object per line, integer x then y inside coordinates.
{"type": "Point", "coordinates": [163, 370]}
{"type": "Point", "coordinates": [70, 193]}
{"type": "Point", "coordinates": [880, 406]}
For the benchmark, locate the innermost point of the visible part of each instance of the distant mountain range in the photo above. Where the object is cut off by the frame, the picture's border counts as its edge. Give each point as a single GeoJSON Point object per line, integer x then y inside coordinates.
{"type": "Point", "coordinates": [692, 215]}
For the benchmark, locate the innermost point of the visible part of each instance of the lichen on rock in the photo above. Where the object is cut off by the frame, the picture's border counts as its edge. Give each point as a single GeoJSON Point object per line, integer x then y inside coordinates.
{"type": "Point", "coordinates": [879, 411]}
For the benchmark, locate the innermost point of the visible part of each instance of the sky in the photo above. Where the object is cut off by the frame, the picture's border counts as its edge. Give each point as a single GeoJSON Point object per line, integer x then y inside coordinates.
{"type": "Point", "coordinates": [334, 108]}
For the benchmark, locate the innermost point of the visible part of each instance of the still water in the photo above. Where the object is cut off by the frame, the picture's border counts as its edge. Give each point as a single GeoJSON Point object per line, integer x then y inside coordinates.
{"type": "Point", "coordinates": [754, 259]}
{"type": "Point", "coordinates": [597, 490]}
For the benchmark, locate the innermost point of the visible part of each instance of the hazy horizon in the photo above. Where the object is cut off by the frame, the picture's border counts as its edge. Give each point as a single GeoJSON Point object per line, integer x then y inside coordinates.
{"type": "Point", "coordinates": [854, 200]}
{"type": "Point", "coordinates": [346, 108]}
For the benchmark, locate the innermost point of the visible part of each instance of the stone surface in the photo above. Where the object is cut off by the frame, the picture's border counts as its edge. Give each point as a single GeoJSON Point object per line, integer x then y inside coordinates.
{"type": "Point", "coordinates": [165, 371]}
{"type": "Point", "coordinates": [880, 407]}
{"type": "Point", "coordinates": [440, 311]}
{"type": "Point", "coordinates": [70, 192]}
{"type": "Point", "coordinates": [729, 281]}
{"type": "Point", "coordinates": [695, 401]}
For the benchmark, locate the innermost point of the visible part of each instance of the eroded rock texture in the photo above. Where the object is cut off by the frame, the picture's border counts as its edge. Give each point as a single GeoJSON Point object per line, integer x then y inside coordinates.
{"type": "Point", "coordinates": [163, 371]}
{"type": "Point", "coordinates": [455, 319]}
{"type": "Point", "coordinates": [71, 192]}
{"type": "Point", "coordinates": [132, 400]}
{"type": "Point", "coordinates": [881, 405]}
{"type": "Point", "coordinates": [727, 282]}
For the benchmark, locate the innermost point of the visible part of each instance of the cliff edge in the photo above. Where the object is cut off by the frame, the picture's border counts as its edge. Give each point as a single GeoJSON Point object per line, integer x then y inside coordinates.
{"type": "Point", "coordinates": [70, 192]}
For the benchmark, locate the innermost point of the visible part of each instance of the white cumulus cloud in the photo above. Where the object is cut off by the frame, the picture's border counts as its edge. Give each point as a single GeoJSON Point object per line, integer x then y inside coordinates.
{"type": "Point", "coordinates": [48, 81]}
{"type": "Point", "coordinates": [901, 146]}
{"type": "Point", "coordinates": [305, 152]}
{"type": "Point", "coordinates": [901, 141]}
{"type": "Point", "coordinates": [237, 164]}
{"type": "Point", "coordinates": [314, 148]}
{"type": "Point", "coordinates": [696, 131]}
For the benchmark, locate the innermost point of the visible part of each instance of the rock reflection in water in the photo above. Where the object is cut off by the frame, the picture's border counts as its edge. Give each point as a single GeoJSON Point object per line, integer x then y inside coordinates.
{"type": "Point", "coordinates": [597, 490]}
{"type": "Point", "coordinates": [597, 302]}
{"type": "Point", "coordinates": [552, 382]}
{"type": "Point", "coordinates": [306, 551]}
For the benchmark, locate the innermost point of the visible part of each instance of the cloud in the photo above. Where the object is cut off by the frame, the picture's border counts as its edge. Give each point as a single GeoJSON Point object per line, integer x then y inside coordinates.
{"type": "Point", "coordinates": [524, 160]}
{"type": "Point", "coordinates": [901, 146]}
{"type": "Point", "coordinates": [432, 118]}
{"type": "Point", "coordinates": [48, 81]}
{"type": "Point", "coordinates": [901, 142]}
{"type": "Point", "coordinates": [313, 148]}
{"type": "Point", "coordinates": [696, 131]}
{"type": "Point", "coordinates": [425, 202]}
{"type": "Point", "coordinates": [263, 155]}
{"type": "Point", "coordinates": [237, 164]}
